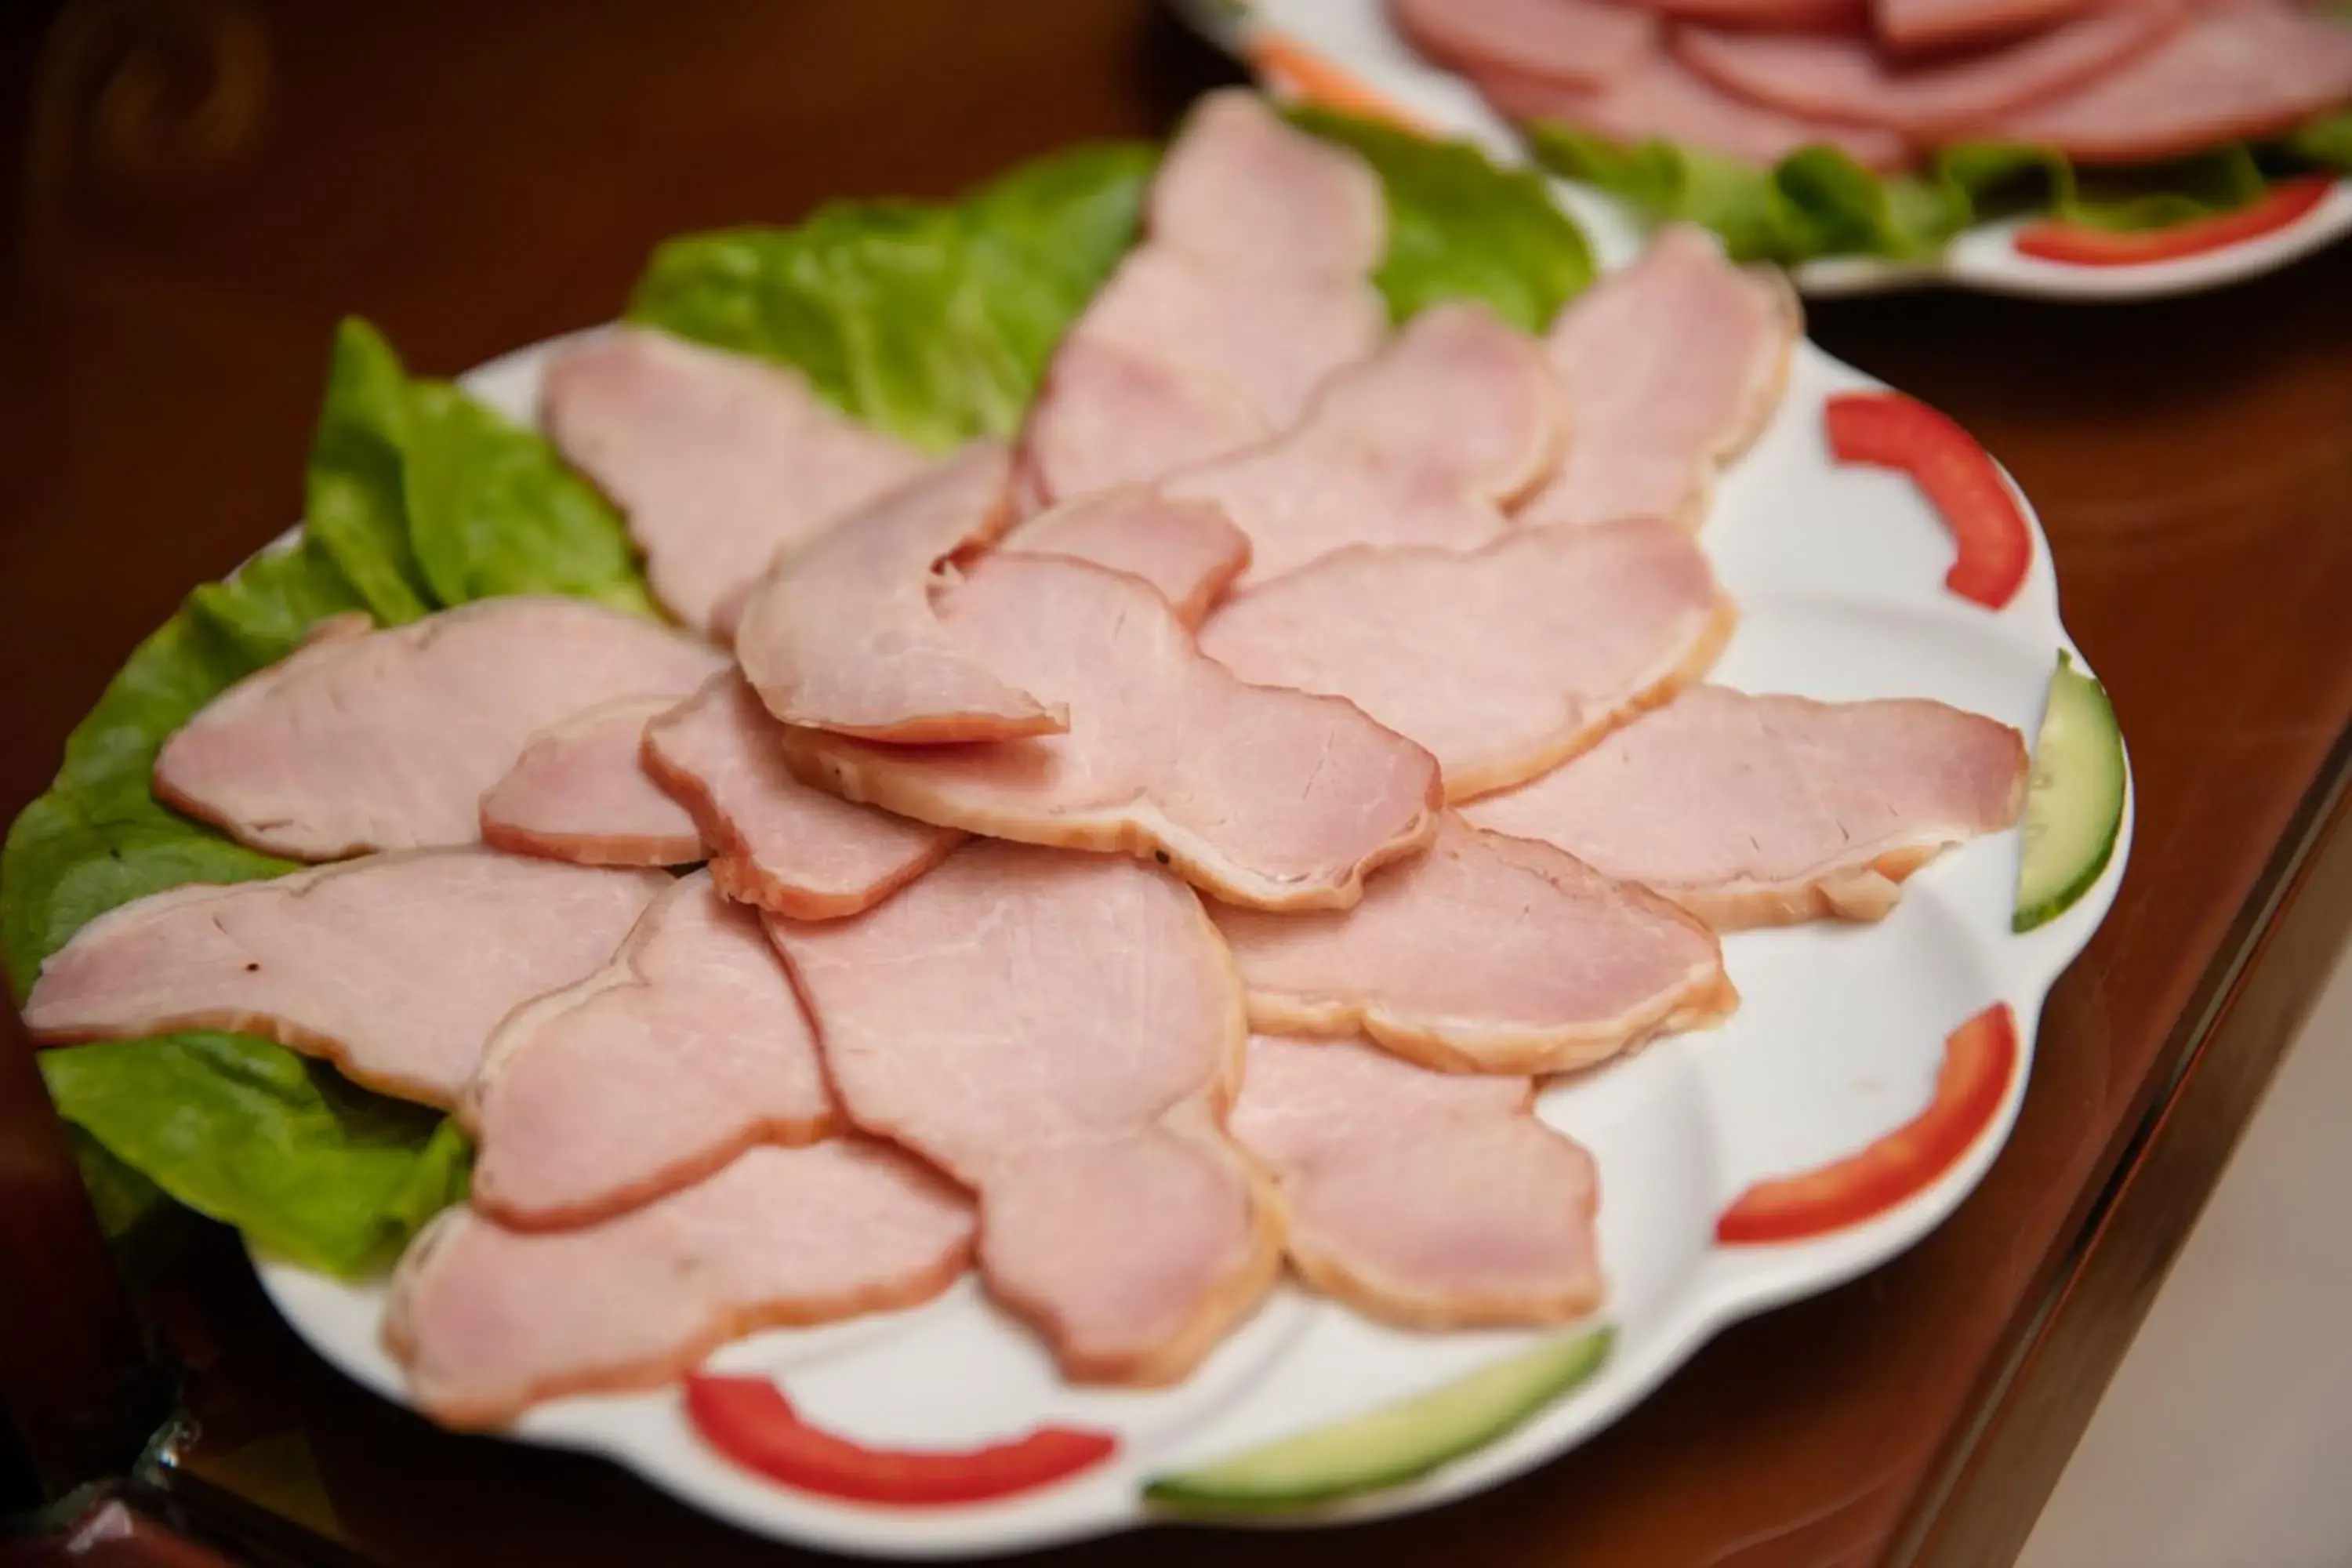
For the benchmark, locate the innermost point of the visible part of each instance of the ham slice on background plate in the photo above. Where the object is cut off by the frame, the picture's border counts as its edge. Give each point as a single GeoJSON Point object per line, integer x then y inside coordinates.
{"type": "Point", "coordinates": [1672, 365]}
{"type": "Point", "coordinates": [716, 460]}
{"type": "Point", "coordinates": [489, 1321]}
{"type": "Point", "coordinates": [1434, 1200]}
{"type": "Point", "coordinates": [365, 739]}
{"type": "Point", "coordinates": [1925, 27]}
{"type": "Point", "coordinates": [1582, 43]}
{"type": "Point", "coordinates": [394, 967]}
{"type": "Point", "coordinates": [1485, 954]}
{"type": "Point", "coordinates": [1061, 1034]}
{"type": "Point", "coordinates": [843, 636]}
{"type": "Point", "coordinates": [1501, 662]}
{"type": "Point", "coordinates": [1421, 443]}
{"type": "Point", "coordinates": [1762, 810]}
{"type": "Point", "coordinates": [579, 791]}
{"type": "Point", "coordinates": [684, 1051]}
{"type": "Point", "coordinates": [775, 842]}
{"type": "Point", "coordinates": [1261, 796]}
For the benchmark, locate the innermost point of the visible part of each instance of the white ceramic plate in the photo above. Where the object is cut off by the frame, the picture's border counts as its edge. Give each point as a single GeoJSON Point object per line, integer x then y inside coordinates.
{"type": "Point", "coordinates": [1838, 572]}
{"type": "Point", "coordinates": [1355, 36]}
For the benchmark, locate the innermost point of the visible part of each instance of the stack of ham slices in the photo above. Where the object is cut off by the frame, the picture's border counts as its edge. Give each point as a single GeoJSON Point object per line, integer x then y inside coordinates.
{"type": "Point", "coordinates": [1114, 861]}
{"type": "Point", "coordinates": [2102, 81]}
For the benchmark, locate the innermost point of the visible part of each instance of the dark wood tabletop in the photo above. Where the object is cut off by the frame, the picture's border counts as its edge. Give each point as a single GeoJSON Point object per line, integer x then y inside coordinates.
{"type": "Point", "coordinates": [204, 186]}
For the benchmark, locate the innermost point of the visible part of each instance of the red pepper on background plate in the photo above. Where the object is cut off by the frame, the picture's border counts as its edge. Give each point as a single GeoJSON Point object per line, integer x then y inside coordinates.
{"type": "Point", "coordinates": [1888, 430]}
{"type": "Point", "coordinates": [1979, 1057]}
{"type": "Point", "coordinates": [750, 1420]}
{"type": "Point", "coordinates": [2079, 245]}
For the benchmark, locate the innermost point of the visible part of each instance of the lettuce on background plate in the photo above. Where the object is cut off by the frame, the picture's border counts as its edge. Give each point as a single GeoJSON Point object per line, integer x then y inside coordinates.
{"type": "Point", "coordinates": [934, 320]}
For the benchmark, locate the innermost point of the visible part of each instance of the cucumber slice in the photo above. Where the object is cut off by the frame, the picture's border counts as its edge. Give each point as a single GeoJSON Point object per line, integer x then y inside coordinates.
{"type": "Point", "coordinates": [2074, 805]}
{"type": "Point", "coordinates": [1394, 1443]}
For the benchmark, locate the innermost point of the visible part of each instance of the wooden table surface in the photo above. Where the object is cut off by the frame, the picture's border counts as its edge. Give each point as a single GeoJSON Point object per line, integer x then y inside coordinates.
{"type": "Point", "coordinates": [207, 185]}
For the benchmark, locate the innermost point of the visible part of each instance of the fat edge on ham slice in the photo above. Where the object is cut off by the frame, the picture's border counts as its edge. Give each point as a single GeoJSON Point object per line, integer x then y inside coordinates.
{"type": "Point", "coordinates": [489, 1321]}
{"type": "Point", "coordinates": [1671, 367]}
{"type": "Point", "coordinates": [843, 635]}
{"type": "Point", "coordinates": [1265, 797]}
{"type": "Point", "coordinates": [394, 967]}
{"type": "Point", "coordinates": [716, 460]}
{"type": "Point", "coordinates": [782, 845]}
{"type": "Point", "coordinates": [579, 791]}
{"type": "Point", "coordinates": [1421, 444]}
{"type": "Point", "coordinates": [1061, 1034]}
{"type": "Point", "coordinates": [363, 739]}
{"type": "Point", "coordinates": [686, 1049]}
{"type": "Point", "coordinates": [1765, 810]}
{"type": "Point", "coordinates": [1502, 662]}
{"type": "Point", "coordinates": [1431, 1200]}
{"type": "Point", "coordinates": [1486, 954]}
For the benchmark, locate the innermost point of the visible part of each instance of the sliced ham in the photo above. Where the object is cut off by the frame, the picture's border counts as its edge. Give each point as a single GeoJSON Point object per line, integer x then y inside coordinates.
{"type": "Point", "coordinates": [1850, 81]}
{"type": "Point", "coordinates": [684, 1050]}
{"type": "Point", "coordinates": [1915, 27]}
{"type": "Point", "coordinates": [1261, 795]}
{"type": "Point", "coordinates": [489, 1321]}
{"type": "Point", "coordinates": [2234, 71]}
{"type": "Point", "coordinates": [1768, 15]}
{"type": "Point", "coordinates": [778, 842]}
{"type": "Point", "coordinates": [1419, 445]}
{"type": "Point", "coordinates": [1432, 1200]}
{"type": "Point", "coordinates": [1664, 99]}
{"type": "Point", "coordinates": [1501, 662]}
{"type": "Point", "coordinates": [386, 739]}
{"type": "Point", "coordinates": [1485, 954]}
{"type": "Point", "coordinates": [1581, 42]}
{"type": "Point", "coordinates": [1244, 193]}
{"type": "Point", "coordinates": [1190, 550]}
{"type": "Point", "coordinates": [1059, 1033]}
{"type": "Point", "coordinates": [843, 635]}
{"type": "Point", "coordinates": [1672, 366]}
{"type": "Point", "coordinates": [718, 461]}
{"type": "Point", "coordinates": [395, 967]}
{"type": "Point", "coordinates": [579, 791]}
{"type": "Point", "coordinates": [1761, 810]}
{"type": "Point", "coordinates": [1253, 284]}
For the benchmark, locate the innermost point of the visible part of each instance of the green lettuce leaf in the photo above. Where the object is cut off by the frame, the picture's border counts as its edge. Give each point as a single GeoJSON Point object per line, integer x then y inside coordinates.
{"type": "Point", "coordinates": [1460, 228]}
{"type": "Point", "coordinates": [1818, 202]}
{"type": "Point", "coordinates": [419, 497]}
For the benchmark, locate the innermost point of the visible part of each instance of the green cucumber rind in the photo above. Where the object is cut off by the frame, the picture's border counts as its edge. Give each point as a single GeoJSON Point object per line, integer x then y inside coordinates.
{"type": "Point", "coordinates": [1394, 1443]}
{"type": "Point", "coordinates": [2095, 780]}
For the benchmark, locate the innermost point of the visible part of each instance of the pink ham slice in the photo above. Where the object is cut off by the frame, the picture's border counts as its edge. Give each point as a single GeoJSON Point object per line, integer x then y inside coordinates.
{"type": "Point", "coordinates": [1485, 954]}
{"type": "Point", "coordinates": [1190, 550]}
{"type": "Point", "coordinates": [776, 842]}
{"type": "Point", "coordinates": [1419, 445]}
{"type": "Point", "coordinates": [395, 967]}
{"type": "Point", "coordinates": [2242, 71]}
{"type": "Point", "coordinates": [1581, 42]}
{"type": "Point", "coordinates": [1848, 79]}
{"type": "Point", "coordinates": [1250, 287]}
{"type": "Point", "coordinates": [1762, 810]}
{"type": "Point", "coordinates": [684, 1050]}
{"type": "Point", "coordinates": [1768, 15]}
{"type": "Point", "coordinates": [1918, 26]}
{"type": "Point", "coordinates": [1263, 797]}
{"type": "Point", "coordinates": [1058, 1032]}
{"type": "Point", "coordinates": [1672, 366]}
{"type": "Point", "coordinates": [387, 739]}
{"type": "Point", "coordinates": [579, 791]}
{"type": "Point", "coordinates": [1429, 1199]}
{"type": "Point", "coordinates": [843, 636]}
{"type": "Point", "coordinates": [1662, 98]}
{"type": "Point", "coordinates": [489, 1321]}
{"type": "Point", "coordinates": [1501, 662]}
{"type": "Point", "coordinates": [719, 461]}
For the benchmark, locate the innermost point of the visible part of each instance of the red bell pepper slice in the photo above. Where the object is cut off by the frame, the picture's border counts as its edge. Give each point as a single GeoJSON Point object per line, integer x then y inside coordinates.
{"type": "Point", "coordinates": [1889, 430]}
{"type": "Point", "coordinates": [1977, 1060]}
{"type": "Point", "coordinates": [2079, 245]}
{"type": "Point", "coordinates": [1309, 75]}
{"type": "Point", "coordinates": [750, 1420]}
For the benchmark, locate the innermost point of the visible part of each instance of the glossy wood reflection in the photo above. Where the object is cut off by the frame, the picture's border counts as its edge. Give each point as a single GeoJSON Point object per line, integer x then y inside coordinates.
{"type": "Point", "coordinates": [208, 183]}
